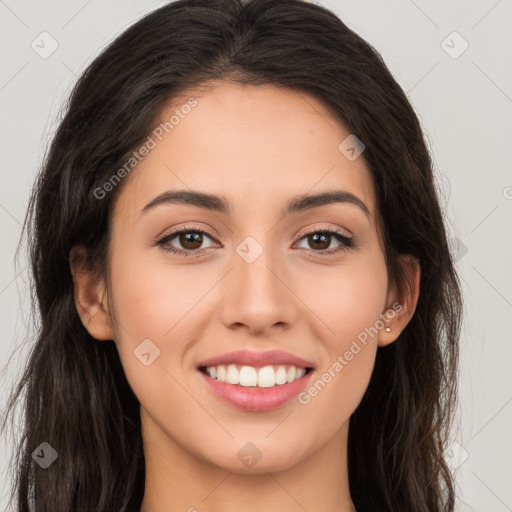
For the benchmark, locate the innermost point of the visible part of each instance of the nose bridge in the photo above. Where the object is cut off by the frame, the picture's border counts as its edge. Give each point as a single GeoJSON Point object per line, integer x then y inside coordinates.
{"type": "Point", "coordinates": [255, 294]}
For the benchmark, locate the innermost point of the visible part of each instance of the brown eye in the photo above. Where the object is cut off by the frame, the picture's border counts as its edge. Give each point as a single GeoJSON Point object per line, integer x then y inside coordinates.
{"type": "Point", "coordinates": [188, 241]}
{"type": "Point", "coordinates": [320, 242]}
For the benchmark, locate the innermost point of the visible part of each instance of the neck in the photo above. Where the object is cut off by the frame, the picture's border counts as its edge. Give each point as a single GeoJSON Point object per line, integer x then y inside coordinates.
{"type": "Point", "coordinates": [179, 481]}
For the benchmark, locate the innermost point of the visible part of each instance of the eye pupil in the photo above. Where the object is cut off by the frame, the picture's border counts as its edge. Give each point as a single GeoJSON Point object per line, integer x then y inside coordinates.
{"type": "Point", "coordinates": [189, 238]}
{"type": "Point", "coordinates": [323, 237]}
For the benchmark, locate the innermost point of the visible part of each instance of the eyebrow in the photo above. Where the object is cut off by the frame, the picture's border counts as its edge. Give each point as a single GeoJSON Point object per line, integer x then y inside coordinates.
{"type": "Point", "coordinates": [221, 205]}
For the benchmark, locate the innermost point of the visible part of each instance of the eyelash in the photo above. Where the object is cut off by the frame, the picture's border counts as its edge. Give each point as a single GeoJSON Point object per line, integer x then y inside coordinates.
{"type": "Point", "coordinates": [347, 243]}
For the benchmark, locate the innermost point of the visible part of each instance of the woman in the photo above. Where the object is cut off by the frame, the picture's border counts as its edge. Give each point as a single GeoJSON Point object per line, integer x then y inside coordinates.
{"type": "Point", "coordinates": [246, 293]}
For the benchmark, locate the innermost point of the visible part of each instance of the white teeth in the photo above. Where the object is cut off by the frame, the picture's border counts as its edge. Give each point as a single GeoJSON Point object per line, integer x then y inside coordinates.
{"type": "Point", "coordinates": [232, 374]}
{"type": "Point", "coordinates": [281, 375]}
{"type": "Point", "coordinates": [290, 374]}
{"type": "Point", "coordinates": [266, 377]}
{"type": "Point", "coordinates": [248, 376]}
{"type": "Point", "coordinates": [221, 373]}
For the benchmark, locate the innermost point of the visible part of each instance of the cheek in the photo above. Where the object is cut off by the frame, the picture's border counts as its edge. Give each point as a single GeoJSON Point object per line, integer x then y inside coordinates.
{"type": "Point", "coordinates": [151, 297]}
{"type": "Point", "coordinates": [164, 303]}
{"type": "Point", "coordinates": [335, 392]}
{"type": "Point", "coordinates": [349, 302]}
{"type": "Point", "coordinates": [156, 302]}
{"type": "Point", "coordinates": [348, 299]}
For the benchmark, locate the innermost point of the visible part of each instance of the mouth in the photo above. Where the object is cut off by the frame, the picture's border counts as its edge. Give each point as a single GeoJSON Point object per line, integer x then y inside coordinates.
{"type": "Point", "coordinates": [256, 381]}
{"type": "Point", "coordinates": [255, 389]}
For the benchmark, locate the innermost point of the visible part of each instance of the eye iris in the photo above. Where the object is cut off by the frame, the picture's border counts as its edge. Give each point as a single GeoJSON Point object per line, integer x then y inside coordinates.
{"type": "Point", "coordinates": [325, 242]}
{"type": "Point", "coordinates": [188, 239]}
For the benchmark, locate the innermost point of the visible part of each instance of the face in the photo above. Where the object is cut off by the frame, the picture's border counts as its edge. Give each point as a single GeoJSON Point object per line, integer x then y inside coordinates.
{"type": "Point", "coordinates": [189, 282]}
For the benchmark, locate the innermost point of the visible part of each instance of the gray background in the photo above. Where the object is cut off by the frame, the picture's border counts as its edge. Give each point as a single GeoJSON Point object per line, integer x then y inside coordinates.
{"type": "Point", "coordinates": [464, 101]}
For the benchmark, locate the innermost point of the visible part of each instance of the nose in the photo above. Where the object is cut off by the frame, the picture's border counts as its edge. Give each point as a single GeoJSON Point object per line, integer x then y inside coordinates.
{"type": "Point", "coordinates": [257, 297]}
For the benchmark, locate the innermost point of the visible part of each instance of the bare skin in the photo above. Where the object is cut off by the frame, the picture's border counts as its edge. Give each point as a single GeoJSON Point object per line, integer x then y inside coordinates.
{"type": "Point", "coordinates": [257, 147]}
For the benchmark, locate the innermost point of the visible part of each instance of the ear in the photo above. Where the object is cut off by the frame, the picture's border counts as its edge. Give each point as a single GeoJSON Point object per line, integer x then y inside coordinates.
{"type": "Point", "coordinates": [90, 294]}
{"type": "Point", "coordinates": [401, 303]}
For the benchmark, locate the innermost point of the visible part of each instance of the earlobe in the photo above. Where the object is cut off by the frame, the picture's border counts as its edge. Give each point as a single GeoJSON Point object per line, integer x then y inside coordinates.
{"type": "Point", "coordinates": [90, 295]}
{"type": "Point", "coordinates": [402, 303]}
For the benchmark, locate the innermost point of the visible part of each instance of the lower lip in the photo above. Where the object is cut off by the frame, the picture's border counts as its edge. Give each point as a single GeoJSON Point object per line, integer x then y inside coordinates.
{"type": "Point", "coordinates": [254, 398]}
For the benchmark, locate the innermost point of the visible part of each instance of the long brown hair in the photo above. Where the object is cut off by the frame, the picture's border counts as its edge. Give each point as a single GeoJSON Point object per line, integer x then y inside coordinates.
{"type": "Point", "coordinates": [76, 396]}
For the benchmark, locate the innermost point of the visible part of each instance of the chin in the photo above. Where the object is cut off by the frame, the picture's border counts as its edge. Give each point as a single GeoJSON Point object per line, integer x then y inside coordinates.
{"type": "Point", "coordinates": [256, 456]}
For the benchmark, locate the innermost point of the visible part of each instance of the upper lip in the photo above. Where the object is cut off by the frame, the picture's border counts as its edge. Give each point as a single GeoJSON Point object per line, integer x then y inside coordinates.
{"type": "Point", "coordinates": [251, 358]}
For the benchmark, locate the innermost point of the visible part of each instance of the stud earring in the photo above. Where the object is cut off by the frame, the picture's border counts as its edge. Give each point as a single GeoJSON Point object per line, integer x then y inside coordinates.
{"type": "Point", "coordinates": [388, 329]}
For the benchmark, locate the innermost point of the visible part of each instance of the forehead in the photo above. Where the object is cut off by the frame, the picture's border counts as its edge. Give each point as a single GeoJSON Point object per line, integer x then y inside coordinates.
{"type": "Point", "coordinates": [254, 145]}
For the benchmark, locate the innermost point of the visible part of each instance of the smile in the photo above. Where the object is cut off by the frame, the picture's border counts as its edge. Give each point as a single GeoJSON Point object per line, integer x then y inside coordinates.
{"type": "Point", "coordinates": [264, 396]}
